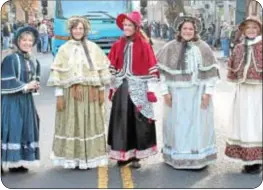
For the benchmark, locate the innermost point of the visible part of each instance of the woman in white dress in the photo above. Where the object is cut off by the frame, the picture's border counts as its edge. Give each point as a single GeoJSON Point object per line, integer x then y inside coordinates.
{"type": "Point", "coordinates": [244, 143]}
{"type": "Point", "coordinates": [189, 72]}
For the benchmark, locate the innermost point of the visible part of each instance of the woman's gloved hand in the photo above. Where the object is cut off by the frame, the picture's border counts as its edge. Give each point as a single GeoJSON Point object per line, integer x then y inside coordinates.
{"type": "Point", "coordinates": [60, 103]}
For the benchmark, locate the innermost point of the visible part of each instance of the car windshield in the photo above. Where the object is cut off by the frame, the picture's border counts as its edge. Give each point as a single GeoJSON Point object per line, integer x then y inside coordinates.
{"type": "Point", "coordinates": [94, 10]}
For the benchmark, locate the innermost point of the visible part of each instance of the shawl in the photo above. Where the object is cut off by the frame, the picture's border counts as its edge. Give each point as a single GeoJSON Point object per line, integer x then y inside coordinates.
{"type": "Point", "coordinates": [244, 64]}
{"type": "Point", "coordinates": [169, 61]}
{"type": "Point", "coordinates": [143, 58]}
{"type": "Point", "coordinates": [13, 79]}
{"type": "Point", "coordinates": [71, 65]}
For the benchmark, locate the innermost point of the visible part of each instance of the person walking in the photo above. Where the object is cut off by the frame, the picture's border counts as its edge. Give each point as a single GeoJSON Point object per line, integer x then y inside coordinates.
{"type": "Point", "coordinates": [225, 39]}
{"type": "Point", "coordinates": [43, 31]}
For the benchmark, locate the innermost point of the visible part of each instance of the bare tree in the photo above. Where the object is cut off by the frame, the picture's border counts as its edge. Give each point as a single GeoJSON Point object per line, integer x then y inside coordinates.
{"type": "Point", "coordinates": [27, 6]}
{"type": "Point", "coordinates": [174, 7]}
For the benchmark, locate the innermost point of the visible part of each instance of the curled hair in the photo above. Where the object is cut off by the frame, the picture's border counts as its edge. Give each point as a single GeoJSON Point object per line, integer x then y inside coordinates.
{"type": "Point", "coordinates": [179, 35]}
{"type": "Point", "coordinates": [75, 20]}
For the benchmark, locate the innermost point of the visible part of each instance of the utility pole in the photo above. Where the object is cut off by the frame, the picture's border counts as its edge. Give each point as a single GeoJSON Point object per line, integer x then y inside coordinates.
{"type": "Point", "coordinates": [44, 4]}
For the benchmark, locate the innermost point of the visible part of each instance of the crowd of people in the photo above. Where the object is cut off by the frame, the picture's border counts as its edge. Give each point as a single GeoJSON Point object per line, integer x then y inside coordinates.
{"type": "Point", "coordinates": [187, 71]}
{"type": "Point", "coordinates": [225, 40]}
{"type": "Point", "coordinates": [44, 27]}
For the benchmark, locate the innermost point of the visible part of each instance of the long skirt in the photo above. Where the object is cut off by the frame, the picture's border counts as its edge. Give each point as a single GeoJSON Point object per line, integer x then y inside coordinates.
{"type": "Point", "coordinates": [244, 144]}
{"type": "Point", "coordinates": [188, 130]}
{"type": "Point", "coordinates": [19, 131]}
{"type": "Point", "coordinates": [131, 135]}
{"type": "Point", "coordinates": [79, 139]}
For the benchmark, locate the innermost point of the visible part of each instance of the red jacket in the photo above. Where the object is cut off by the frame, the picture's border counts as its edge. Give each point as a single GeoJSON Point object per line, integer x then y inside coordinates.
{"type": "Point", "coordinates": [236, 63]}
{"type": "Point", "coordinates": [143, 58]}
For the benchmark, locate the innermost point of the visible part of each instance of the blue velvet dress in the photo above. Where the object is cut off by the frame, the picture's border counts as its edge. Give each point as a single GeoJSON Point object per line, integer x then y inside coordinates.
{"type": "Point", "coordinates": [19, 118]}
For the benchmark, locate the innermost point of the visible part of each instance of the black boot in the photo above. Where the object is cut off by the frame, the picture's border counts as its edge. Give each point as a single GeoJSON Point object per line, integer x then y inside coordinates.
{"type": "Point", "coordinates": [252, 169]}
{"type": "Point", "coordinates": [123, 163]}
{"type": "Point", "coordinates": [20, 169]}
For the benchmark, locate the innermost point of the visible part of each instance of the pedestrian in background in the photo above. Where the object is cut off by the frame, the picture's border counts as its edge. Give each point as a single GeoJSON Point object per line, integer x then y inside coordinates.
{"type": "Point", "coordinates": [244, 144]}
{"type": "Point", "coordinates": [6, 35]}
{"type": "Point", "coordinates": [79, 73]}
{"type": "Point", "coordinates": [50, 34]}
{"type": "Point", "coordinates": [132, 134]}
{"type": "Point", "coordinates": [225, 39]}
{"type": "Point", "coordinates": [39, 39]}
{"type": "Point", "coordinates": [20, 76]}
{"type": "Point", "coordinates": [43, 32]}
{"type": "Point", "coordinates": [189, 72]}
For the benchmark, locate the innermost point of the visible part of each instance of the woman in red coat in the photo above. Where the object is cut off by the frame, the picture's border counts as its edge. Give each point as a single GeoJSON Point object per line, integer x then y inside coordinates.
{"type": "Point", "coordinates": [132, 133]}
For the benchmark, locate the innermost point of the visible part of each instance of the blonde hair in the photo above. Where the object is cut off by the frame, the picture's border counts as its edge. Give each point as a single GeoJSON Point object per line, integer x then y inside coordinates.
{"type": "Point", "coordinates": [26, 33]}
{"type": "Point", "coordinates": [144, 35]}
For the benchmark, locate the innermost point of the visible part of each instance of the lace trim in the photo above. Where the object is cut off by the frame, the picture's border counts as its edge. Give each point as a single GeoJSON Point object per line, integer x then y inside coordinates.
{"type": "Point", "coordinates": [13, 90]}
{"type": "Point", "coordinates": [190, 155]}
{"type": "Point", "coordinates": [95, 81]}
{"type": "Point", "coordinates": [242, 162]}
{"type": "Point", "coordinates": [140, 154]}
{"type": "Point", "coordinates": [14, 146]}
{"type": "Point", "coordinates": [8, 78]}
{"type": "Point", "coordinates": [189, 163]}
{"type": "Point", "coordinates": [201, 68]}
{"type": "Point", "coordinates": [80, 139]}
{"type": "Point", "coordinates": [243, 144]}
{"type": "Point", "coordinates": [82, 164]}
{"type": "Point", "coordinates": [20, 163]}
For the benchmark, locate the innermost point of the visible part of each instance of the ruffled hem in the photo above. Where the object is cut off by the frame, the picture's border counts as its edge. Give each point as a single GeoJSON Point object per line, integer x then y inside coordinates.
{"type": "Point", "coordinates": [139, 154]}
{"type": "Point", "coordinates": [82, 164]}
{"type": "Point", "coordinates": [247, 81]}
{"type": "Point", "coordinates": [230, 142]}
{"type": "Point", "coordinates": [190, 163]}
{"type": "Point", "coordinates": [242, 162]}
{"type": "Point", "coordinates": [25, 163]}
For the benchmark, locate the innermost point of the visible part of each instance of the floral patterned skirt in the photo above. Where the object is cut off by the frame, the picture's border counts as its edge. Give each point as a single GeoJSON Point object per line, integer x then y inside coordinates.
{"type": "Point", "coordinates": [79, 138]}
{"type": "Point", "coordinates": [244, 143]}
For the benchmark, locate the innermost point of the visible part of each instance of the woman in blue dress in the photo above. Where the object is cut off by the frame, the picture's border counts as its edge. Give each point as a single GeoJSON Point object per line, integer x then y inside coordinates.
{"type": "Point", "coordinates": [189, 72]}
{"type": "Point", "coordinates": [20, 74]}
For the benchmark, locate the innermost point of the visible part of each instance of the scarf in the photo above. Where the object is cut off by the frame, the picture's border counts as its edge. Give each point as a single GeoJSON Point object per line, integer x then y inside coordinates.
{"type": "Point", "coordinates": [172, 61]}
{"type": "Point", "coordinates": [86, 50]}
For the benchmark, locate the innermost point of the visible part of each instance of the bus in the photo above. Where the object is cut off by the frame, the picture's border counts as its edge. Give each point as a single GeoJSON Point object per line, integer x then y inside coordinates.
{"type": "Point", "coordinates": [101, 14]}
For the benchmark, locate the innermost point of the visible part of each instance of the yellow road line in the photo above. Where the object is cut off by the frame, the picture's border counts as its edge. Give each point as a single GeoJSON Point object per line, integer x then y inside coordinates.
{"type": "Point", "coordinates": [126, 176]}
{"type": "Point", "coordinates": [103, 177]}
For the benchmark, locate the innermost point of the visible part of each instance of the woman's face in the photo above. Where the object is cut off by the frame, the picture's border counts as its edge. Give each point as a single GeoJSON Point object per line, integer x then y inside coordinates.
{"type": "Point", "coordinates": [188, 31]}
{"type": "Point", "coordinates": [251, 30]}
{"type": "Point", "coordinates": [128, 27]}
{"type": "Point", "coordinates": [78, 31]}
{"type": "Point", "coordinates": [26, 43]}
